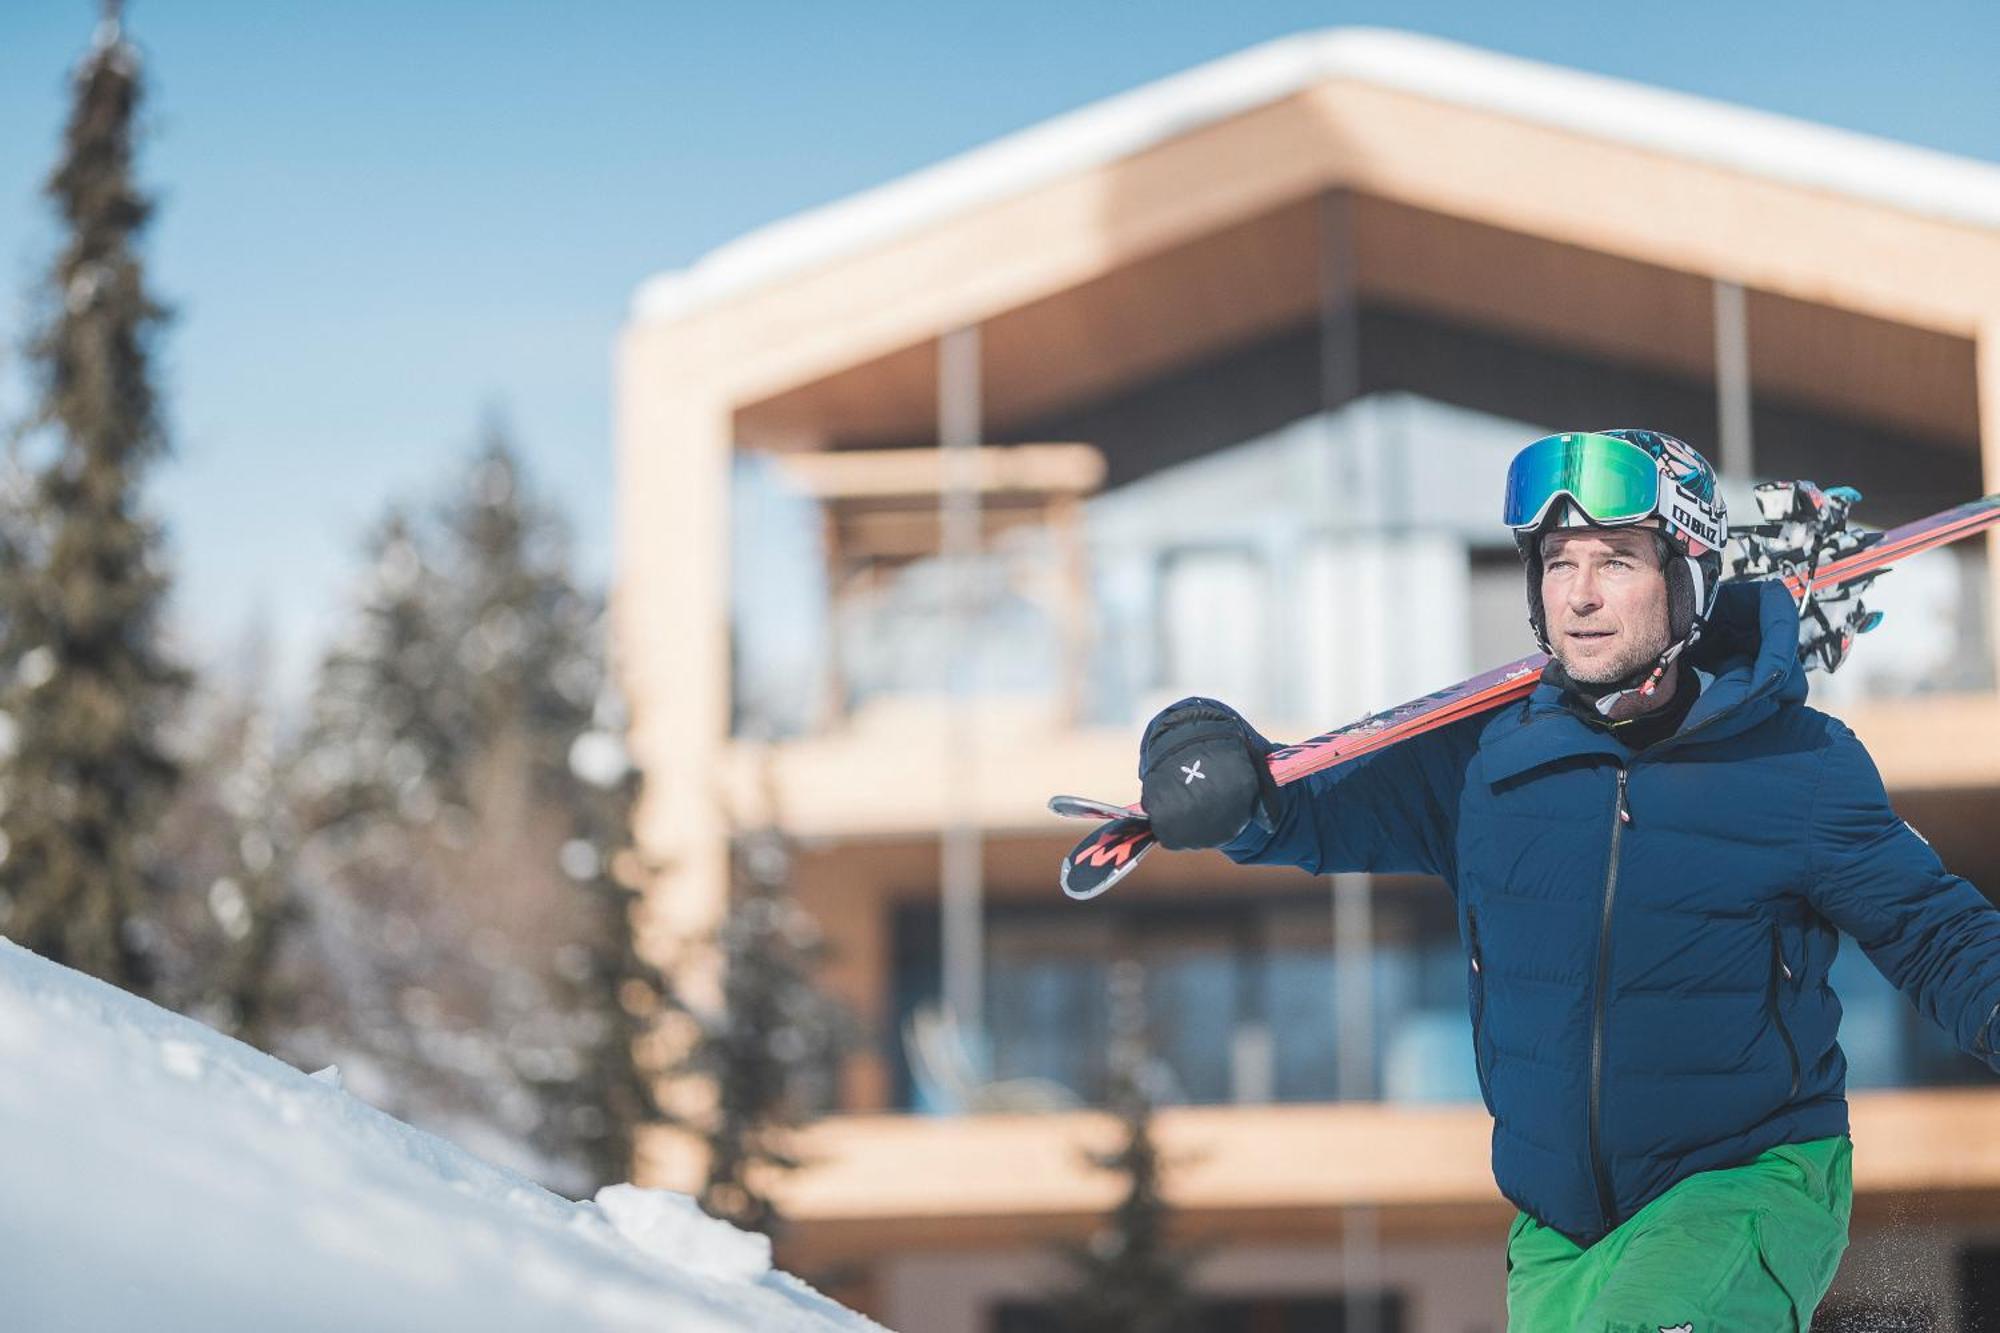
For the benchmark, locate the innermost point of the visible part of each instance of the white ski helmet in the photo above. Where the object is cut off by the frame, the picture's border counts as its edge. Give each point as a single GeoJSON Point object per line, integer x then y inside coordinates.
{"type": "Point", "coordinates": [1616, 478]}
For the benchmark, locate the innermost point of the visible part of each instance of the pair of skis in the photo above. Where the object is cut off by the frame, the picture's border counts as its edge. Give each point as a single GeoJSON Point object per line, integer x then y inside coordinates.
{"type": "Point", "coordinates": [1802, 539]}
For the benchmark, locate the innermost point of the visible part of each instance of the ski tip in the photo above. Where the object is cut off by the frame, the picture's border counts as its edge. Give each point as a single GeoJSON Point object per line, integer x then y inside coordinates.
{"type": "Point", "coordinates": [1083, 807]}
{"type": "Point", "coordinates": [1105, 856]}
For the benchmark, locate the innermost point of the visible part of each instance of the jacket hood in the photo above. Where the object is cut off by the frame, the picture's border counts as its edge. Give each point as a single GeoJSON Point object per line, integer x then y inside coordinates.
{"type": "Point", "coordinates": [1753, 631]}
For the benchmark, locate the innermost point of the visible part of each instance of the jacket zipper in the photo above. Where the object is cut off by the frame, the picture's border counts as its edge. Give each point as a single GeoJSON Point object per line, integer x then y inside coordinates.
{"type": "Point", "coordinates": [1598, 1168]}
{"type": "Point", "coordinates": [1780, 968]}
{"type": "Point", "coordinates": [1479, 1015]}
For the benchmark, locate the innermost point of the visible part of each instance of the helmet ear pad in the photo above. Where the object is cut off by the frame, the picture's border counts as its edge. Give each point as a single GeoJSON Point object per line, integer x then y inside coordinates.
{"type": "Point", "coordinates": [1680, 593]}
{"type": "Point", "coordinates": [1691, 583]}
{"type": "Point", "coordinates": [1531, 558]}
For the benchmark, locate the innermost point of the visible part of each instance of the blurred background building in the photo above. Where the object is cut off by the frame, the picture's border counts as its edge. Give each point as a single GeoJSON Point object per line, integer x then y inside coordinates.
{"type": "Point", "coordinates": [928, 498]}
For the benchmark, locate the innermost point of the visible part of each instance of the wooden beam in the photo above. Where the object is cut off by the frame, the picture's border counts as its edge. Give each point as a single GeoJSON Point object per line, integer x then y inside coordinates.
{"type": "Point", "coordinates": [1986, 376]}
{"type": "Point", "coordinates": [911, 534]}
{"type": "Point", "coordinates": [888, 474]}
{"type": "Point", "coordinates": [1257, 1159]}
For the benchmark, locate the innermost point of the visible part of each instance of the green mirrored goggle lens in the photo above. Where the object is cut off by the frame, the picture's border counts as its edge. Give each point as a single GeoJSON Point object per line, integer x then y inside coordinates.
{"type": "Point", "coordinates": [1611, 480]}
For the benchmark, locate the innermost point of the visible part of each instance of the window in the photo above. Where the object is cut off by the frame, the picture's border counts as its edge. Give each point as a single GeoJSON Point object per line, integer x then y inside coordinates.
{"type": "Point", "coordinates": [1212, 623]}
{"type": "Point", "coordinates": [1240, 995]}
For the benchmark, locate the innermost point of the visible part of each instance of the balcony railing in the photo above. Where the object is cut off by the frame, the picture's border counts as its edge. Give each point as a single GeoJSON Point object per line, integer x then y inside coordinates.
{"type": "Point", "coordinates": [1330, 630]}
{"type": "Point", "coordinates": [1244, 1005]}
{"type": "Point", "coordinates": [1333, 567]}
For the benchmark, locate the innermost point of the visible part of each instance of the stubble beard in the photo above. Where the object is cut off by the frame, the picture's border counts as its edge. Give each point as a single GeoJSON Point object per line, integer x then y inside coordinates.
{"type": "Point", "coordinates": [1603, 671]}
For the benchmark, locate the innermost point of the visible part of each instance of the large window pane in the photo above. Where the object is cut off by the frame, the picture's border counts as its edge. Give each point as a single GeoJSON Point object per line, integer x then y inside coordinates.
{"type": "Point", "coordinates": [1241, 1000]}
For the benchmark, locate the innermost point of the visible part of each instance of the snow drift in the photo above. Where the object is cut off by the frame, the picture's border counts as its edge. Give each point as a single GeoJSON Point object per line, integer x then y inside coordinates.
{"type": "Point", "coordinates": [156, 1174]}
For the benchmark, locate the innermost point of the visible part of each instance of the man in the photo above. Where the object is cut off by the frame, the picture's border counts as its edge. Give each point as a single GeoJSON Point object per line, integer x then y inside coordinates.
{"type": "Point", "coordinates": [1650, 856]}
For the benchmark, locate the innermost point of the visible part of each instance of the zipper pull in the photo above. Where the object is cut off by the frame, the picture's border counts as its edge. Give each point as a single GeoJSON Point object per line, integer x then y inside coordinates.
{"type": "Point", "coordinates": [1624, 814]}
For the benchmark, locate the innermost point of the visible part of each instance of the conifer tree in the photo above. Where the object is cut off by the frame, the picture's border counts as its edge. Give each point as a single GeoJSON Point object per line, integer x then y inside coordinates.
{"type": "Point", "coordinates": [88, 689]}
{"type": "Point", "coordinates": [607, 979]}
{"type": "Point", "coordinates": [533, 651]}
{"type": "Point", "coordinates": [468, 804]}
{"type": "Point", "coordinates": [1129, 1278]}
{"type": "Point", "coordinates": [375, 787]}
{"type": "Point", "coordinates": [385, 734]}
{"type": "Point", "coordinates": [770, 1052]}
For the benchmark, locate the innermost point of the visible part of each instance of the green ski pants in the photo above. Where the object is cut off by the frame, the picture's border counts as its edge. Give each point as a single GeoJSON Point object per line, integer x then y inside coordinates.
{"type": "Point", "coordinates": [1748, 1249]}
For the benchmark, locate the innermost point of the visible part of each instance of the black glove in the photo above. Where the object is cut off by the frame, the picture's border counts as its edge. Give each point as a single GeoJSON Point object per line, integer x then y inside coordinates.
{"type": "Point", "coordinates": [1203, 775]}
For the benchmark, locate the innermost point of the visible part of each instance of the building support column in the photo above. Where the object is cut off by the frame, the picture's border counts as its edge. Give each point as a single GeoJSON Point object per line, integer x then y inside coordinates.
{"type": "Point", "coordinates": [1734, 446]}
{"type": "Point", "coordinates": [961, 841]}
{"type": "Point", "coordinates": [1354, 1059]}
{"type": "Point", "coordinates": [670, 618]}
{"type": "Point", "coordinates": [1289, 543]}
{"type": "Point", "coordinates": [1354, 991]}
{"type": "Point", "coordinates": [1339, 303]}
{"type": "Point", "coordinates": [1986, 371]}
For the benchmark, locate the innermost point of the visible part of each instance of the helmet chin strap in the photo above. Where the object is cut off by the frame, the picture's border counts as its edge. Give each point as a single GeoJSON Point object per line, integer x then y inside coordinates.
{"type": "Point", "coordinates": [1639, 685]}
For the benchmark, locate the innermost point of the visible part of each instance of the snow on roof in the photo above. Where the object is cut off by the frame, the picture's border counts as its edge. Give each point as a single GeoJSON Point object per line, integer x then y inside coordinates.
{"type": "Point", "coordinates": [1756, 142]}
{"type": "Point", "coordinates": [159, 1175]}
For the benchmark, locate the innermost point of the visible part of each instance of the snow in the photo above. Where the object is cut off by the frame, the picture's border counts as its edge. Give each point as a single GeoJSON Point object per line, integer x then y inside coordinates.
{"type": "Point", "coordinates": [1759, 143]}
{"type": "Point", "coordinates": [671, 1228]}
{"type": "Point", "coordinates": [159, 1175]}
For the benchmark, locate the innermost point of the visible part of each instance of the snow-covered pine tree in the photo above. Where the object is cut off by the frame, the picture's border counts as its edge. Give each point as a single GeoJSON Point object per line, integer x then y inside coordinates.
{"type": "Point", "coordinates": [770, 1054]}
{"type": "Point", "coordinates": [533, 649]}
{"type": "Point", "coordinates": [1129, 1277]}
{"type": "Point", "coordinates": [468, 804]}
{"type": "Point", "coordinates": [88, 689]}
{"type": "Point", "coordinates": [373, 777]}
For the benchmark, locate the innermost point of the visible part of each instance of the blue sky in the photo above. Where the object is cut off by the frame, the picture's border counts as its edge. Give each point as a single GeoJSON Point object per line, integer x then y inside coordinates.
{"type": "Point", "coordinates": [376, 219]}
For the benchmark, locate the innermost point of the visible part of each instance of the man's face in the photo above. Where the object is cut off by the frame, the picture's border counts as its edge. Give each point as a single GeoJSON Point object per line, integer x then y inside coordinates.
{"type": "Point", "coordinates": [1604, 596]}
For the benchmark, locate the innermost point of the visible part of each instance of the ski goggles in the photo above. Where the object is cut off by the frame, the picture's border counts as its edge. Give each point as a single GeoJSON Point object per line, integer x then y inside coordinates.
{"type": "Point", "coordinates": [1611, 480]}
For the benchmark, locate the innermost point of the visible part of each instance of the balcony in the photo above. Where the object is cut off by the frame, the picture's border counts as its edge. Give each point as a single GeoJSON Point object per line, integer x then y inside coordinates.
{"type": "Point", "coordinates": [1328, 568]}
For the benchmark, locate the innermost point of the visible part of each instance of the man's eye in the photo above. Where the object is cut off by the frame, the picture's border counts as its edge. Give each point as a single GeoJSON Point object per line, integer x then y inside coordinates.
{"type": "Point", "coordinates": [1619, 564]}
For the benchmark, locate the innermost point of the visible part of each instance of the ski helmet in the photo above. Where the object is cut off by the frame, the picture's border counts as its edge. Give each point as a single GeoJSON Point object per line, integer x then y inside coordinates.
{"type": "Point", "coordinates": [1616, 478]}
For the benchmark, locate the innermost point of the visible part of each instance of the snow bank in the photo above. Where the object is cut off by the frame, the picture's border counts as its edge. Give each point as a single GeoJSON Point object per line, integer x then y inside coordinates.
{"type": "Point", "coordinates": [155, 1174]}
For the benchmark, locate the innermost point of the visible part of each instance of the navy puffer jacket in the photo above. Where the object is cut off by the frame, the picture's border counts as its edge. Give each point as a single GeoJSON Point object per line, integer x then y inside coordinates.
{"type": "Point", "coordinates": [1648, 935]}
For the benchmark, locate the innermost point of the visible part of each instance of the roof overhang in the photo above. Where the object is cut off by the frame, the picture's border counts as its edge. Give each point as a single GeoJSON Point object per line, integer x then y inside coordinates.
{"type": "Point", "coordinates": [1753, 143]}
{"type": "Point", "coordinates": [1135, 234]}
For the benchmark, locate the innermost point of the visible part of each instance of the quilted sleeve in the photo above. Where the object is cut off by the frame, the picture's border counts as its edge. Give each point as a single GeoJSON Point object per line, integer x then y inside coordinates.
{"type": "Point", "coordinates": [1930, 932]}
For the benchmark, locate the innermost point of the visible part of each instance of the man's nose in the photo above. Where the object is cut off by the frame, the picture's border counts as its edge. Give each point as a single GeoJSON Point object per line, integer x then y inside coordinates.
{"type": "Point", "coordinates": [1584, 594]}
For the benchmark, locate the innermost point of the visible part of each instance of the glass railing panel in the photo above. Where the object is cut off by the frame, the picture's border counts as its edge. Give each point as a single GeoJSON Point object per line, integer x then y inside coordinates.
{"type": "Point", "coordinates": [1290, 598]}
{"type": "Point", "coordinates": [1248, 1018]}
